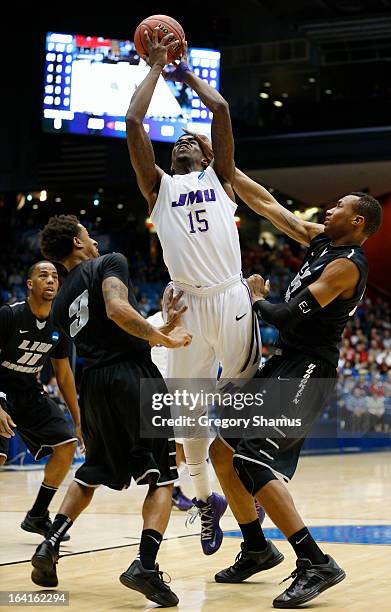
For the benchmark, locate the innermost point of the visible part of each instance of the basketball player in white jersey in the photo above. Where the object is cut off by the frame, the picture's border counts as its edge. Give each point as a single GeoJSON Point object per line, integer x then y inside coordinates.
{"type": "Point", "coordinates": [193, 212]}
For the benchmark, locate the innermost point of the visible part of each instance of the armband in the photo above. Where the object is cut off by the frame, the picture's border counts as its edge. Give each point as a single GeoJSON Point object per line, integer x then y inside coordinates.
{"type": "Point", "coordinates": [289, 314]}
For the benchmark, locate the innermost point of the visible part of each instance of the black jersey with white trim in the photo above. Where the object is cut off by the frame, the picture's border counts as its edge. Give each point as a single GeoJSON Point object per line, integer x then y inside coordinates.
{"type": "Point", "coordinates": [26, 343]}
{"type": "Point", "coordinates": [320, 334]}
{"type": "Point", "coordinates": [80, 312]}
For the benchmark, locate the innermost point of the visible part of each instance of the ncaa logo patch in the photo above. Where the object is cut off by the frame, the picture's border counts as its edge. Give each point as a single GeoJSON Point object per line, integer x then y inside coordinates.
{"type": "Point", "coordinates": [55, 336]}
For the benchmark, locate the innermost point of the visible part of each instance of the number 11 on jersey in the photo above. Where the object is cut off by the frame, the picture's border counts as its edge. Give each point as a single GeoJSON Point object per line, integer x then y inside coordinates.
{"type": "Point", "coordinates": [202, 226]}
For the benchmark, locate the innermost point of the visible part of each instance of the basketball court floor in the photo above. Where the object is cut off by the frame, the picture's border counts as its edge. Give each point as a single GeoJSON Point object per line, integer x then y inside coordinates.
{"type": "Point", "coordinates": [345, 499]}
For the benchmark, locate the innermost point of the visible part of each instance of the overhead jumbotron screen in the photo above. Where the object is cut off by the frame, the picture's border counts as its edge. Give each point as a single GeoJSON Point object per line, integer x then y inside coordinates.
{"type": "Point", "coordinates": [89, 81]}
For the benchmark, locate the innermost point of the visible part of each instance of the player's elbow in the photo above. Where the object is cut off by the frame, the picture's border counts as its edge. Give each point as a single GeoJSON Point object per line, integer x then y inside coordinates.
{"type": "Point", "coordinates": [112, 310]}
{"type": "Point", "coordinates": [220, 107]}
{"type": "Point", "coordinates": [132, 121]}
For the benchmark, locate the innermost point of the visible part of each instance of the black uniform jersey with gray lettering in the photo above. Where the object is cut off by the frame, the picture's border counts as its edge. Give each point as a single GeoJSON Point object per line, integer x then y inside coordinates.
{"type": "Point", "coordinates": [320, 334]}
{"type": "Point", "coordinates": [25, 345]}
{"type": "Point", "coordinates": [80, 312]}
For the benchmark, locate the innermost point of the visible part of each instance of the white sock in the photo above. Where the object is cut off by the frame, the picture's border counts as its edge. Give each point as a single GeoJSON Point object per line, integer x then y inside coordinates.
{"type": "Point", "coordinates": [180, 469]}
{"type": "Point", "coordinates": [196, 453]}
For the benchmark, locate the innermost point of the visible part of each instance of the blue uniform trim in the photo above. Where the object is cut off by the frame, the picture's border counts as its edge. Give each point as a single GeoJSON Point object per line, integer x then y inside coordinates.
{"type": "Point", "coordinates": [342, 534]}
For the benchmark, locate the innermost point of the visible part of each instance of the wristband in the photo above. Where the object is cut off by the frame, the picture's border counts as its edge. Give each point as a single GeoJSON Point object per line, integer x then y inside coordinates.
{"type": "Point", "coordinates": [179, 74]}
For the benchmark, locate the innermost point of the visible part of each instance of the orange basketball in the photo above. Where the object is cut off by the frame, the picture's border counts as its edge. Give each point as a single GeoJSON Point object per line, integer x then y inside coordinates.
{"type": "Point", "coordinates": [166, 25]}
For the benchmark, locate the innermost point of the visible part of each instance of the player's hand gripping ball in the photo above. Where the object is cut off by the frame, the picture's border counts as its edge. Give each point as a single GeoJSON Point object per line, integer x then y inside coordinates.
{"type": "Point", "coordinates": [165, 27]}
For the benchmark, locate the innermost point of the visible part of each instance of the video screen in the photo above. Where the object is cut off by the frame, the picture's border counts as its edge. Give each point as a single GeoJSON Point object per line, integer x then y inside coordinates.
{"type": "Point", "coordinates": [89, 81]}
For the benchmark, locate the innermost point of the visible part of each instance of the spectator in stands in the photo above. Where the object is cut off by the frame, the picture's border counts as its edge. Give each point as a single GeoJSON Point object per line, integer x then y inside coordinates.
{"type": "Point", "coordinates": [357, 409]}
{"type": "Point", "coordinates": [15, 278]}
{"type": "Point", "coordinates": [361, 354]}
{"type": "Point", "coordinates": [375, 408]}
{"type": "Point", "coordinates": [387, 403]}
{"type": "Point", "coordinates": [13, 298]}
{"type": "Point", "coordinates": [144, 306]}
{"type": "Point", "coordinates": [383, 359]}
{"type": "Point", "coordinates": [387, 339]}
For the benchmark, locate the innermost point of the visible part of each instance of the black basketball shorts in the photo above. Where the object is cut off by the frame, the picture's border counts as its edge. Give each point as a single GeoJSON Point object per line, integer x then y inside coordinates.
{"type": "Point", "coordinates": [110, 419]}
{"type": "Point", "coordinates": [297, 387]}
{"type": "Point", "coordinates": [40, 422]}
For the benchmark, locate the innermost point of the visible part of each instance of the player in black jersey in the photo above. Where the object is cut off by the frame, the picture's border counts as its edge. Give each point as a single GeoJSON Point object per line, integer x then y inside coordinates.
{"type": "Point", "coordinates": [28, 338]}
{"type": "Point", "coordinates": [97, 308]}
{"type": "Point", "coordinates": [298, 380]}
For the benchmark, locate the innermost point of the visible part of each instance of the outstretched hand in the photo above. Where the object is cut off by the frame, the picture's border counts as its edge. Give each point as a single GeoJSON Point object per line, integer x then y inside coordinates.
{"type": "Point", "coordinates": [157, 50]}
{"type": "Point", "coordinates": [175, 309]}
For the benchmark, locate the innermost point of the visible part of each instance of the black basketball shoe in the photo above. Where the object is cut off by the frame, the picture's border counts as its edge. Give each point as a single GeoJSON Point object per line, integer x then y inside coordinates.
{"type": "Point", "coordinates": [44, 563]}
{"type": "Point", "coordinates": [249, 562]}
{"type": "Point", "coordinates": [310, 580]}
{"type": "Point", "coordinates": [40, 524]}
{"type": "Point", "coordinates": [150, 583]}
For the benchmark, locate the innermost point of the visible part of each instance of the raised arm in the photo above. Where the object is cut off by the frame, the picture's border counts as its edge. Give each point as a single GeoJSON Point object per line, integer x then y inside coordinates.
{"type": "Point", "coordinates": [118, 309]}
{"type": "Point", "coordinates": [222, 137]}
{"type": "Point", "coordinates": [140, 147]}
{"type": "Point", "coordinates": [262, 202]}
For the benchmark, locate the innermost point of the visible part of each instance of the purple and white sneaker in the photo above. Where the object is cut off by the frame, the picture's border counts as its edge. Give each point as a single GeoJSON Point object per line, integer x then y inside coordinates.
{"type": "Point", "coordinates": [210, 513]}
{"type": "Point", "coordinates": [180, 501]}
{"type": "Point", "coordinates": [260, 511]}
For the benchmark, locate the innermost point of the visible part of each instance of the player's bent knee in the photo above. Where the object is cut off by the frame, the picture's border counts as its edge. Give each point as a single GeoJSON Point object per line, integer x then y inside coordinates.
{"type": "Point", "coordinates": [65, 450]}
{"type": "Point", "coordinates": [81, 492]}
{"type": "Point", "coordinates": [154, 489]}
{"type": "Point", "coordinates": [252, 475]}
{"type": "Point", "coordinates": [71, 447]}
{"type": "Point", "coordinates": [168, 487]}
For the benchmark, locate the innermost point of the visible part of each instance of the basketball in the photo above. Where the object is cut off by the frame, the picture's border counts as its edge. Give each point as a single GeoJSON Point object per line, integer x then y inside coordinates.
{"type": "Point", "coordinates": [166, 25]}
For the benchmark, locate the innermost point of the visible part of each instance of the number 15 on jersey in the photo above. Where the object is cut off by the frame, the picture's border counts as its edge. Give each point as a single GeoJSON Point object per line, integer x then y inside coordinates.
{"type": "Point", "coordinates": [197, 221]}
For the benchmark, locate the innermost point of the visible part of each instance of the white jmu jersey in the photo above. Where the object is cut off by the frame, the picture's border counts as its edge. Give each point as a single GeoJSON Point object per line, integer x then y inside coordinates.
{"type": "Point", "coordinates": [194, 219]}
